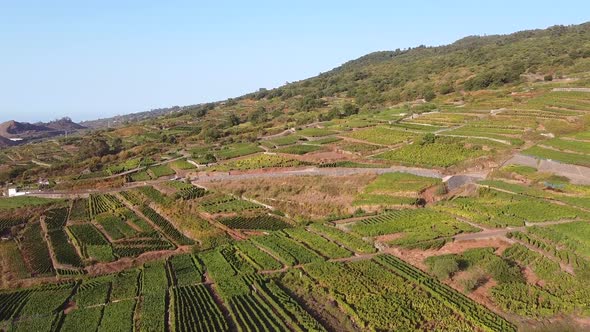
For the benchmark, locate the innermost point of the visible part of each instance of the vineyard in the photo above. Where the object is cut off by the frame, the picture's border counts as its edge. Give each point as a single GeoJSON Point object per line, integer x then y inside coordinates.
{"type": "Point", "coordinates": [152, 194]}
{"type": "Point", "coordinates": [262, 222]}
{"type": "Point", "coordinates": [378, 298]}
{"type": "Point", "coordinates": [165, 226]}
{"type": "Point", "coordinates": [195, 310]}
{"type": "Point", "coordinates": [236, 150]}
{"type": "Point", "coordinates": [259, 161]}
{"type": "Point", "coordinates": [91, 242]}
{"type": "Point", "coordinates": [561, 291]}
{"type": "Point", "coordinates": [288, 250]}
{"type": "Point", "coordinates": [471, 311]}
{"type": "Point", "coordinates": [116, 226]}
{"type": "Point", "coordinates": [80, 210]}
{"type": "Point", "coordinates": [35, 251]}
{"type": "Point", "coordinates": [160, 171]}
{"type": "Point", "coordinates": [103, 203]}
{"type": "Point", "coordinates": [445, 152]}
{"type": "Point", "coordinates": [299, 149]}
{"type": "Point", "coordinates": [350, 241]}
{"type": "Point", "coordinates": [382, 135]}
{"type": "Point", "coordinates": [498, 209]}
{"type": "Point", "coordinates": [186, 191]}
{"type": "Point", "coordinates": [6, 222]}
{"type": "Point", "coordinates": [56, 218]}
{"type": "Point", "coordinates": [422, 228]}
{"type": "Point", "coordinates": [301, 207]}
{"type": "Point", "coordinates": [394, 189]}
{"type": "Point", "coordinates": [315, 132]}
{"type": "Point", "coordinates": [226, 203]}
{"type": "Point", "coordinates": [326, 248]}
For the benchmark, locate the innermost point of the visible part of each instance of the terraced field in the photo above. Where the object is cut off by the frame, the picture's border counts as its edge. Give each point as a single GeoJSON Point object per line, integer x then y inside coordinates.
{"type": "Point", "coordinates": [425, 189]}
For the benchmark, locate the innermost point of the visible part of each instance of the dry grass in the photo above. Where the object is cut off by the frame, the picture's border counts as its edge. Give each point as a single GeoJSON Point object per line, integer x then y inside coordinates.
{"type": "Point", "coordinates": [302, 197]}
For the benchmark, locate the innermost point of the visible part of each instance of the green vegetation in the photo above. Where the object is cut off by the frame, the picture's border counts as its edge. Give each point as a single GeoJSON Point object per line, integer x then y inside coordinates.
{"type": "Point", "coordinates": [422, 228]}
{"type": "Point", "coordinates": [226, 203]}
{"type": "Point", "coordinates": [382, 135]}
{"type": "Point", "coordinates": [118, 316]}
{"type": "Point", "coordinates": [350, 241]}
{"type": "Point", "coordinates": [565, 157]}
{"type": "Point", "coordinates": [289, 251]}
{"type": "Point", "coordinates": [258, 162]}
{"type": "Point", "coordinates": [177, 257]}
{"type": "Point", "coordinates": [318, 244]}
{"type": "Point", "coordinates": [35, 250]}
{"type": "Point", "coordinates": [159, 171]}
{"type": "Point", "coordinates": [165, 226]}
{"type": "Point", "coordinates": [80, 210]}
{"type": "Point", "coordinates": [392, 189]}
{"type": "Point", "coordinates": [103, 203]}
{"type": "Point", "coordinates": [195, 310]}
{"type": "Point", "coordinates": [299, 149]}
{"type": "Point", "coordinates": [473, 312]}
{"type": "Point", "coordinates": [445, 152]}
{"type": "Point", "coordinates": [24, 201]}
{"type": "Point", "coordinates": [182, 164]}
{"type": "Point", "coordinates": [153, 195]}
{"type": "Point", "coordinates": [315, 132]}
{"type": "Point", "coordinates": [259, 258]}
{"type": "Point", "coordinates": [266, 222]}
{"type": "Point", "coordinates": [236, 150]}
{"type": "Point", "coordinates": [284, 140]}
{"type": "Point", "coordinates": [498, 209]}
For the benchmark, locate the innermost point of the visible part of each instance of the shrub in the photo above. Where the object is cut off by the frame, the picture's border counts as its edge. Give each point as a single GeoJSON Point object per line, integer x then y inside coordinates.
{"type": "Point", "coordinates": [443, 266]}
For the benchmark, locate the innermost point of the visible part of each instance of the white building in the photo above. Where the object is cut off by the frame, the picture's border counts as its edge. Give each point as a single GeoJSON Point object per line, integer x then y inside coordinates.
{"type": "Point", "coordinates": [13, 192]}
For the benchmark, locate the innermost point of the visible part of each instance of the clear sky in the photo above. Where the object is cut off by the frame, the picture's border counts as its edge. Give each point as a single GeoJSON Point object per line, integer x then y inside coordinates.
{"type": "Point", "coordinates": [91, 59]}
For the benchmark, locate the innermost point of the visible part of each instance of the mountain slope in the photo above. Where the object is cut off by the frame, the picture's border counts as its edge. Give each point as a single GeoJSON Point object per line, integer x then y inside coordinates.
{"type": "Point", "coordinates": [5, 142]}
{"type": "Point", "coordinates": [13, 128]}
{"type": "Point", "coordinates": [27, 131]}
{"type": "Point", "coordinates": [470, 63]}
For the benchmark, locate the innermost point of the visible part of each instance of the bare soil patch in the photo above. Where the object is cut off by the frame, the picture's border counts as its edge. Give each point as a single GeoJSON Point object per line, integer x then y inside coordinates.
{"type": "Point", "coordinates": [417, 257]}
{"type": "Point", "coordinates": [301, 196]}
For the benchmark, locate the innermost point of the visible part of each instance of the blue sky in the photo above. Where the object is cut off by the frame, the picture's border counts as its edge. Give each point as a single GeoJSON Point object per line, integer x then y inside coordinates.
{"type": "Point", "coordinates": [91, 59]}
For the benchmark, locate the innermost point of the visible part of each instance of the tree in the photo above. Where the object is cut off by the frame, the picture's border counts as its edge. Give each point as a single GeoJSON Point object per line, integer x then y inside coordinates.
{"type": "Point", "coordinates": [349, 109]}
{"type": "Point", "coordinates": [446, 88]}
{"type": "Point", "coordinates": [210, 134]}
{"type": "Point", "coordinates": [429, 138]}
{"type": "Point", "coordinates": [258, 116]}
{"type": "Point", "coordinates": [117, 145]}
{"type": "Point", "coordinates": [444, 266]}
{"type": "Point", "coordinates": [309, 102]}
{"type": "Point", "coordinates": [94, 147]}
{"type": "Point", "coordinates": [209, 158]}
{"type": "Point", "coordinates": [234, 120]}
{"type": "Point", "coordinates": [429, 95]}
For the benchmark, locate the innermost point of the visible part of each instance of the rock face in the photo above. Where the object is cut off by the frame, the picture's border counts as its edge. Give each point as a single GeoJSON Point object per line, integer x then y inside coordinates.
{"type": "Point", "coordinates": [28, 131]}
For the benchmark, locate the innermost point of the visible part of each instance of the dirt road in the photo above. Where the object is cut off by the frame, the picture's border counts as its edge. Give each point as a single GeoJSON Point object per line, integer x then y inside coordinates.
{"type": "Point", "coordinates": [488, 233]}
{"type": "Point", "coordinates": [228, 176]}
{"type": "Point", "coordinates": [577, 174]}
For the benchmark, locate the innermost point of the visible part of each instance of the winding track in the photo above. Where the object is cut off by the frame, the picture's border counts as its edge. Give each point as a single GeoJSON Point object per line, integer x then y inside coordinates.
{"type": "Point", "coordinates": [227, 176]}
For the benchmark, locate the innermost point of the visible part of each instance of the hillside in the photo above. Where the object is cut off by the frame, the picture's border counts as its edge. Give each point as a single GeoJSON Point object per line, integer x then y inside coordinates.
{"type": "Point", "coordinates": [389, 77]}
{"type": "Point", "coordinates": [435, 188]}
{"type": "Point", "coordinates": [14, 129]}
{"type": "Point", "coordinates": [63, 124]}
{"type": "Point", "coordinates": [5, 142]}
{"type": "Point", "coordinates": [29, 131]}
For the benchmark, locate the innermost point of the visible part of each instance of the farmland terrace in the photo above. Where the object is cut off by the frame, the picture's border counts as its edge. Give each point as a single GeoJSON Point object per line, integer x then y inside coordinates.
{"type": "Point", "coordinates": [351, 201]}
